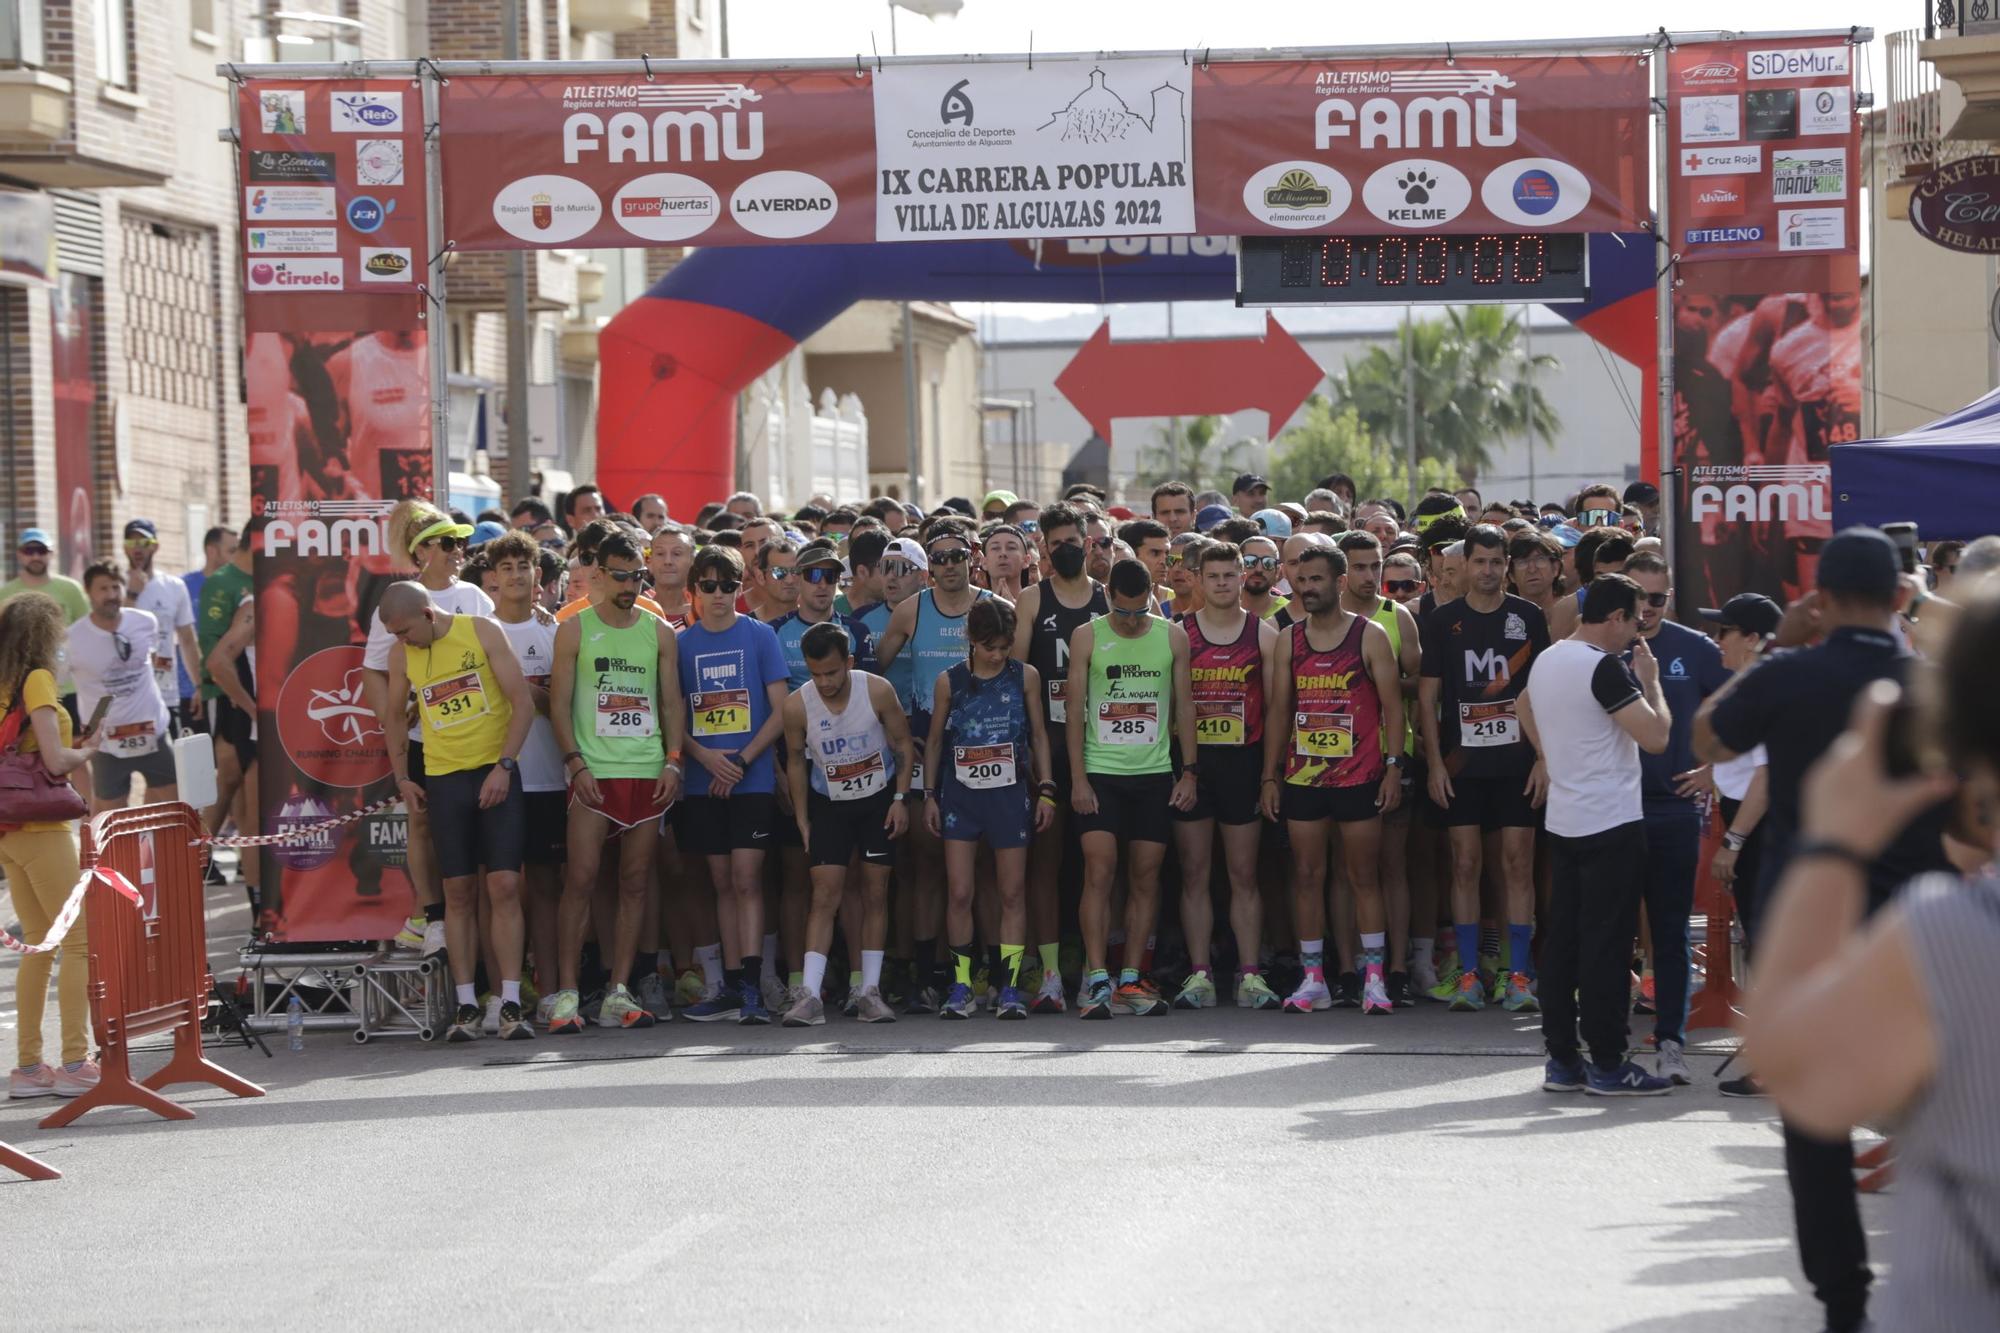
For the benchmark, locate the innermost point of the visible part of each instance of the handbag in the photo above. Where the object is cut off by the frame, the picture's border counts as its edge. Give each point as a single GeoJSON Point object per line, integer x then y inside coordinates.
{"type": "Point", "coordinates": [29, 793]}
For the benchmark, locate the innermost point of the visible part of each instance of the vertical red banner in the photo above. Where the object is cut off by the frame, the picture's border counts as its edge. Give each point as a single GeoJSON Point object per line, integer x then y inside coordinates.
{"type": "Point", "coordinates": [1767, 314]}
{"type": "Point", "coordinates": [337, 376]}
{"type": "Point", "coordinates": [75, 421]}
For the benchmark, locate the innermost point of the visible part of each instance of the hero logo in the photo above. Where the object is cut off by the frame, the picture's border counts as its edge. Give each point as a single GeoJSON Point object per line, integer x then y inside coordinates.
{"type": "Point", "coordinates": [1417, 192]}
{"type": "Point", "coordinates": [1782, 492]}
{"type": "Point", "coordinates": [362, 113]}
{"type": "Point", "coordinates": [1421, 122]}
{"type": "Point", "coordinates": [1710, 72]}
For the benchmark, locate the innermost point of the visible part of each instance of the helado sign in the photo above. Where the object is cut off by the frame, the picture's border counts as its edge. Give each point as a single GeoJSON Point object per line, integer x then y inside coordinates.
{"type": "Point", "coordinates": [1958, 206]}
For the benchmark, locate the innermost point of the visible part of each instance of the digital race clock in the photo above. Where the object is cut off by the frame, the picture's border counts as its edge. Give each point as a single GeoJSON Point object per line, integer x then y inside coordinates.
{"type": "Point", "coordinates": [1412, 268]}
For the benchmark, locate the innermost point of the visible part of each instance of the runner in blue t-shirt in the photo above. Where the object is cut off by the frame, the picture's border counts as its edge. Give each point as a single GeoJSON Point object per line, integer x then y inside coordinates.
{"type": "Point", "coordinates": [818, 572]}
{"type": "Point", "coordinates": [733, 676]}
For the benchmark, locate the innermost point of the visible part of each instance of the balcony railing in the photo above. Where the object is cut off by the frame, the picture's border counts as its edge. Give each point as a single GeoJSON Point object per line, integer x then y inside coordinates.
{"type": "Point", "coordinates": [1961, 18]}
{"type": "Point", "coordinates": [1914, 107]}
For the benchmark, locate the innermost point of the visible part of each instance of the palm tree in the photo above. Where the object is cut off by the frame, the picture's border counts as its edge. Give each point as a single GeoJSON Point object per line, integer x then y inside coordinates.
{"type": "Point", "coordinates": [1197, 453]}
{"type": "Point", "coordinates": [1473, 385]}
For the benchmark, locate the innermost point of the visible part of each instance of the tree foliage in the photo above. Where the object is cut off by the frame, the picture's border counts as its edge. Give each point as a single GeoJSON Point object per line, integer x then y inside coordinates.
{"type": "Point", "coordinates": [1200, 453]}
{"type": "Point", "coordinates": [1333, 439]}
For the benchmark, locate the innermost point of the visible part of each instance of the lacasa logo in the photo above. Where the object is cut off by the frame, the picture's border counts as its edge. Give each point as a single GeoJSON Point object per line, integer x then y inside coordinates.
{"type": "Point", "coordinates": [385, 264]}
{"type": "Point", "coordinates": [1710, 73]}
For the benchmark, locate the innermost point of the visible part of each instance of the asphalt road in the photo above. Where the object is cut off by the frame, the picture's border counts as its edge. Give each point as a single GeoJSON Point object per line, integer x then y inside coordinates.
{"type": "Point", "coordinates": [1371, 1173]}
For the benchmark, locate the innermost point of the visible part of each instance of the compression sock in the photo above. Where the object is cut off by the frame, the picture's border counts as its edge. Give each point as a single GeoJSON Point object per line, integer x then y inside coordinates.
{"type": "Point", "coordinates": [709, 956]}
{"type": "Point", "coordinates": [1520, 946]}
{"type": "Point", "coordinates": [1468, 945]}
{"type": "Point", "coordinates": [1372, 946]}
{"type": "Point", "coordinates": [871, 969]}
{"type": "Point", "coordinates": [1312, 957]}
{"type": "Point", "coordinates": [854, 978]}
{"type": "Point", "coordinates": [1094, 975]}
{"type": "Point", "coordinates": [1010, 963]}
{"type": "Point", "coordinates": [1489, 940]}
{"type": "Point", "coordinates": [961, 964]}
{"type": "Point", "coordinates": [814, 974]}
{"type": "Point", "coordinates": [732, 979]}
{"type": "Point", "coordinates": [1051, 958]}
{"type": "Point", "coordinates": [796, 979]}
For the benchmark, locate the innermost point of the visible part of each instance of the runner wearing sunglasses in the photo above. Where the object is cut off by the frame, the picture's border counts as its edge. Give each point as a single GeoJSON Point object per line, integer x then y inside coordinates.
{"type": "Point", "coordinates": [1261, 563]}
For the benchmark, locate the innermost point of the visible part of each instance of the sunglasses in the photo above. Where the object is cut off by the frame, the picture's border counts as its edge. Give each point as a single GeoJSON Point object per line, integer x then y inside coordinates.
{"type": "Point", "coordinates": [1102, 543]}
{"type": "Point", "coordinates": [820, 574]}
{"type": "Point", "coordinates": [34, 550]}
{"type": "Point", "coordinates": [1655, 599]}
{"type": "Point", "coordinates": [1401, 585]}
{"type": "Point", "coordinates": [623, 575]}
{"type": "Point", "coordinates": [1175, 559]}
{"type": "Point", "coordinates": [714, 586]}
{"type": "Point", "coordinates": [447, 543]}
{"type": "Point", "coordinates": [142, 541]}
{"type": "Point", "coordinates": [778, 572]}
{"type": "Point", "coordinates": [1593, 518]}
{"type": "Point", "coordinates": [897, 569]}
{"type": "Point", "coordinates": [1142, 611]}
{"type": "Point", "coordinates": [956, 557]}
{"type": "Point", "coordinates": [1261, 562]}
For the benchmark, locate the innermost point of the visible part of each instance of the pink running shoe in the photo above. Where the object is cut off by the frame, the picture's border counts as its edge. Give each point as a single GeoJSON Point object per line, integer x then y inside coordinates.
{"type": "Point", "coordinates": [37, 1082]}
{"type": "Point", "coordinates": [75, 1082]}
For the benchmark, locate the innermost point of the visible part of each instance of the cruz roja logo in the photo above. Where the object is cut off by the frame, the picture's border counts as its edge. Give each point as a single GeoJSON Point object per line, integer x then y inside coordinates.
{"type": "Point", "coordinates": [956, 105]}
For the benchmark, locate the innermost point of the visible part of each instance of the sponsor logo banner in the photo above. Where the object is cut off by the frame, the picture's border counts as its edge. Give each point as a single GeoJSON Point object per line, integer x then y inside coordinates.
{"type": "Point", "coordinates": [1812, 229]}
{"type": "Point", "coordinates": [1825, 111]}
{"type": "Point", "coordinates": [378, 162]}
{"type": "Point", "coordinates": [367, 112]}
{"type": "Point", "coordinates": [279, 164]}
{"type": "Point", "coordinates": [737, 159]}
{"type": "Point", "coordinates": [293, 275]}
{"type": "Point", "coordinates": [1722, 235]}
{"type": "Point", "coordinates": [386, 264]}
{"type": "Point", "coordinates": [1799, 174]}
{"type": "Point", "coordinates": [1722, 197]}
{"type": "Point", "coordinates": [1716, 118]}
{"type": "Point", "coordinates": [291, 240]}
{"type": "Point", "coordinates": [281, 110]}
{"type": "Point", "coordinates": [1772, 113]}
{"type": "Point", "coordinates": [1797, 62]}
{"type": "Point", "coordinates": [1721, 161]}
{"type": "Point", "coordinates": [288, 203]}
{"type": "Point", "coordinates": [1366, 146]}
{"type": "Point", "coordinates": [1061, 149]}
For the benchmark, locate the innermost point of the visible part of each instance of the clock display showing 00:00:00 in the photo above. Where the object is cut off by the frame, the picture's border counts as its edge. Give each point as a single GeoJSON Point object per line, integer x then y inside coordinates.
{"type": "Point", "coordinates": [1433, 261]}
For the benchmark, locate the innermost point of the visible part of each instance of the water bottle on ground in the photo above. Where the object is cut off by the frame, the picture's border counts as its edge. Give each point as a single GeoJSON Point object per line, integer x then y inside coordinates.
{"type": "Point", "coordinates": [295, 1024]}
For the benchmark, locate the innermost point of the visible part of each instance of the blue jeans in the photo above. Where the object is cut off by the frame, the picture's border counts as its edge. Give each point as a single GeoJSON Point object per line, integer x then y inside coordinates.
{"type": "Point", "coordinates": [1673, 854]}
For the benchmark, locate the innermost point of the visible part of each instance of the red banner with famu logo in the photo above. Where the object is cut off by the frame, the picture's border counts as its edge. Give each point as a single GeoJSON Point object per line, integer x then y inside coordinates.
{"type": "Point", "coordinates": [337, 379]}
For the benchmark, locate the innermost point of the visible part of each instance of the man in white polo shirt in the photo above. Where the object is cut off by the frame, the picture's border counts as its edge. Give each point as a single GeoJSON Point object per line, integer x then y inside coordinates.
{"type": "Point", "coordinates": [1588, 715]}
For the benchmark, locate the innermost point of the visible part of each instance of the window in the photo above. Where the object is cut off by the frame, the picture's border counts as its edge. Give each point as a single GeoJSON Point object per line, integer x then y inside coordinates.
{"type": "Point", "coordinates": [21, 32]}
{"type": "Point", "coordinates": [114, 42]}
{"type": "Point", "coordinates": [170, 318]}
{"type": "Point", "coordinates": [201, 16]}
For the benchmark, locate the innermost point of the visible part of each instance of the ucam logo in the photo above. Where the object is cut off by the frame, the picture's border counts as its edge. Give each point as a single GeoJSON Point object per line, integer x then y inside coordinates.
{"type": "Point", "coordinates": [1798, 62]}
{"type": "Point", "coordinates": [365, 213]}
{"type": "Point", "coordinates": [1535, 191]}
{"type": "Point", "coordinates": [364, 113]}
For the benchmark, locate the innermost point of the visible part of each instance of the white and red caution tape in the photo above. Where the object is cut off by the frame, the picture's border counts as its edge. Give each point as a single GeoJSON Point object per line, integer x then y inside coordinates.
{"type": "Point", "coordinates": [72, 908]}
{"type": "Point", "coordinates": [304, 830]}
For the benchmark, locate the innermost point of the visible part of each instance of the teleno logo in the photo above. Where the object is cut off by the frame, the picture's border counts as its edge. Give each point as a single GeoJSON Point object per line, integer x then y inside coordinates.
{"type": "Point", "coordinates": [1723, 235]}
{"type": "Point", "coordinates": [365, 213]}
{"type": "Point", "coordinates": [1798, 62]}
{"type": "Point", "coordinates": [1710, 72]}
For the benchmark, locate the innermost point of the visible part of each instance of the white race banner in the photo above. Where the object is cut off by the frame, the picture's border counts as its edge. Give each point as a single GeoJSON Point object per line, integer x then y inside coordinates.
{"type": "Point", "coordinates": [1066, 148]}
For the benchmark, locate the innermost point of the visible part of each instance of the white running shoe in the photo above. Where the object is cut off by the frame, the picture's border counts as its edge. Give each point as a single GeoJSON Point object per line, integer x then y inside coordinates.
{"type": "Point", "coordinates": [1673, 1065]}
{"type": "Point", "coordinates": [492, 1023]}
{"type": "Point", "coordinates": [1049, 999]}
{"type": "Point", "coordinates": [1312, 994]}
{"type": "Point", "coordinates": [433, 939]}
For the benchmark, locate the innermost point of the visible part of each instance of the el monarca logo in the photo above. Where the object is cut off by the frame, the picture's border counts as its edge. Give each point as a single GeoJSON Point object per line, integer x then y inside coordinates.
{"type": "Point", "coordinates": [386, 264]}
{"type": "Point", "coordinates": [1298, 189]}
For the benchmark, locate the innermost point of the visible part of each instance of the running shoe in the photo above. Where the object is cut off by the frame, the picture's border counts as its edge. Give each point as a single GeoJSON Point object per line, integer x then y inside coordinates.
{"type": "Point", "coordinates": [39, 1081]}
{"type": "Point", "coordinates": [1400, 993]}
{"type": "Point", "coordinates": [1560, 1077]}
{"type": "Point", "coordinates": [1375, 994]}
{"type": "Point", "coordinates": [652, 996]}
{"type": "Point", "coordinates": [1520, 996]}
{"type": "Point", "coordinates": [1253, 992]}
{"type": "Point", "coordinates": [724, 1004]}
{"type": "Point", "coordinates": [1672, 1064]}
{"type": "Point", "coordinates": [754, 1012]}
{"type": "Point", "coordinates": [1747, 1086]}
{"type": "Point", "coordinates": [1346, 990]}
{"type": "Point", "coordinates": [74, 1080]}
{"type": "Point", "coordinates": [1628, 1080]}
{"type": "Point", "coordinates": [1011, 1006]}
{"type": "Point", "coordinates": [544, 1008]}
{"type": "Point", "coordinates": [689, 988]}
{"type": "Point", "coordinates": [567, 1016]}
{"type": "Point", "coordinates": [793, 995]}
{"type": "Point", "coordinates": [851, 1006]}
{"type": "Point", "coordinates": [464, 1024]}
{"type": "Point", "coordinates": [874, 1009]}
{"type": "Point", "coordinates": [1049, 996]}
{"type": "Point", "coordinates": [529, 995]}
{"type": "Point", "coordinates": [1094, 1000]}
{"type": "Point", "coordinates": [433, 939]}
{"type": "Point", "coordinates": [1644, 998]}
{"type": "Point", "coordinates": [513, 1025]}
{"type": "Point", "coordinates": [592, 1006]}
{"type": "Point", "coordinates": [1446, 989]}
{"type": "Point", "coordinates": [492, 1007]}
{"type": "Point", "coordinates": [1471, 995]}
{"type": "Point", "coordinates": [983, 989]}
{"type": "Point", "coordinates": [621, 1009]}
{"type": "Point", "coordinates": [774, 993]}
{"type": "Point", "coordinates": [1496, 986]}
{"type": "Point", "coordinates": [1312, 994]}
{"type": "Point", "coordinates": [411, 936]}
{"type": "Point", "coordinates": [923, 1000]}
{"type": "Point", "coordinates": [1141, 998]}
{"type": "Point", "coordinates": [1197, 992]}
{"type": "Point", "coordinates": [958, 1003]}
{"type": "Point", "coordinates": [808, 1012]}
{"type": "Point", "coordinates": [1423, 976]}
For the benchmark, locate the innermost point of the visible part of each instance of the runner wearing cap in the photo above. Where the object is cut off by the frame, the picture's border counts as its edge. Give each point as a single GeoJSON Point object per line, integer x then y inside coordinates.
{"type": "Point", "coordinates": [474, 709]}
{"type": "Point", "coordinates": [849, 770]}
{"type": "Point", "coordinates": [33, 550]}
{"type": "Point", "coordinates": [615, 704]}
{"type": "Point", "coordinates": [996, 504]}
{"type": "Point", "coordinates": [166, 598]}
{"type": "Point", "coordinates": [1049, 614]}
{"type": "Point", "coordinates": [112, 652]}
{"type": "Point", "coordinates": [1248, 493]}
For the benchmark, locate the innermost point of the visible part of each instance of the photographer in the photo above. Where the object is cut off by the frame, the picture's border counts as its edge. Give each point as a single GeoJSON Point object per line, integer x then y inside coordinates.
{"type": "Point", "coordinates": [1911, 1046]}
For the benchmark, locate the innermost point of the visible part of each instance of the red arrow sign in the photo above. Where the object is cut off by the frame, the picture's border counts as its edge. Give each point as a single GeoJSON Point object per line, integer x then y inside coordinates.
{"type": "Point", "coordinates": [1186, 379]}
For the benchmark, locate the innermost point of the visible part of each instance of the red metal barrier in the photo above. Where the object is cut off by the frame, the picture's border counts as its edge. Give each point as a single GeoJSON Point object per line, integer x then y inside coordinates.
{"type": "Point", "coordinates": [1716, 1006]}
{"type": "Point", "coordinates": [148, 958]}
{"type": "Point", "coordinates": [34, 1168]}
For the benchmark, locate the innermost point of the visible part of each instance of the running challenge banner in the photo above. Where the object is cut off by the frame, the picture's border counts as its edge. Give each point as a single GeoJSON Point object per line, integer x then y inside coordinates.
{"type": "Point", "coordinates": [1474, 145]}
{"type": "Point", "coordinates": [336, 374]}
{"type": "Point", "coordinates": [1766, 151]}
{"type": "Point", "coordinates": [748, 159]}
{"type": "Point", "coordinates": [1066, 148]}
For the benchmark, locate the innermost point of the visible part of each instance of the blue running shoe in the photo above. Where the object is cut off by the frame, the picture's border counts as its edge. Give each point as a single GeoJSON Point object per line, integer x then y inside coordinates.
{"type": "Point", "coordinates": [958, 1002]}
{"type": "Point", "coordinates": [1628, 1080]}
{"type": "Point", "coordinates": [724, 1004]}
{"type": "Point", "coordinates": [1560, 1077]}
{"type": "Point", "coordinates": [1012, 1004]}
{"type": "Point", "coordinates": [753, 1010]}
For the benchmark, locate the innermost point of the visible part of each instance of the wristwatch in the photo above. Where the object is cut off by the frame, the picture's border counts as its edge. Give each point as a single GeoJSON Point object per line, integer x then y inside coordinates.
{"type": "Point", "coordinates": [1194, 767]}
{"type": "Point", "coordinates": [508, 763]}
{"type": "Point", "coordinates": [898, 797]}
{"type": "Point", "coordinates": [1393, 760]}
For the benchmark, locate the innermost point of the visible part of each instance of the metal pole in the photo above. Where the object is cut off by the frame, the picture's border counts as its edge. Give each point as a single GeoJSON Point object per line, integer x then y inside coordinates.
{"type": "Point", "coordinates": [1410, 402]}
{"type": "Point", "coordinates": [438, 339]}
{"type": "Point", "coordinates": [1528, 377]}
{"type": "Point", "coordinates": [914, 423]}
{"type": "Point", "coordinates": [1663, 318]}
{"type": "Point", "coordinates": [520, 465]}
{"type": "Point", "coordinates": [1174, 441]}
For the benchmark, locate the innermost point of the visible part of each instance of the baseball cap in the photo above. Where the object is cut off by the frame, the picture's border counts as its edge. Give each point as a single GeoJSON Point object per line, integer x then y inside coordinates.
{"type": "Point", "coordinates": [1642, 493]}
{"type": "Point", "coordinates": [1120, 512]}
{"type": "Point", "coordinates": [1275, 522]}
{"type": "Point", "coordinates": [1209, 516]}
{"type": "Point", "coordinates": [1248, 481]}
{"type": "Point", "coordinates": [823, 553]}
{"type": "Point", "coordinates": [1749, 611]}
{"type": "Point", "coordinates": [35, 537]}
{"type": "Point", "coordinates": [916, 514]}
{"type": "Point", "coordinates": [902, 548]}
{"type": "Point", "coordinates": [142, 527]}
{"type": "Point", "coordinates": [483, 532]}
{"type": "Point", "coordinates": [1861, 561]}
{"type": "Point", "coordinates": [1567, 535]}
{"type": "Point", "coordinates": [999, 498]}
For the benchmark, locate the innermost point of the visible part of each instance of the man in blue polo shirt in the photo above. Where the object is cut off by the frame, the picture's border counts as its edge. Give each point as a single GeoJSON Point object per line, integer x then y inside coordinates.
{"type": "Point", "coordinates": [1673, 786]}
